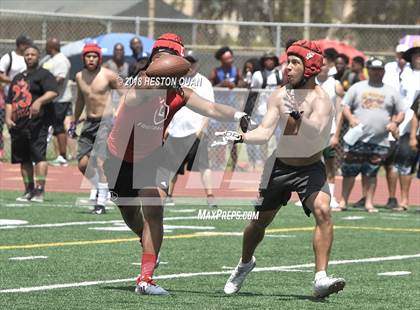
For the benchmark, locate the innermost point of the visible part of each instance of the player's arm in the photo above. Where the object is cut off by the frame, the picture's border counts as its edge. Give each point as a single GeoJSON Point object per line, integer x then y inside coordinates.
{"type": "Point", "coordinates": [207, 108]}
{"type": "Point", "coordinates": [8, 117]}
{"type": "Point", "coordinates": [9, 109]}
{"type": "Point", "coordinates": [4, 64]}
{"type": "Point", "coordinates": [265, 130]}
{"type": "Point", "coordinates": [115, 82]}
{"type": "Point", "coordinates": [4, 78]}
{"type": "Point", "coordinates": [80, 102]}
{"type": "Point", "coordinates": [319, 119]}
{"type": "Point", "coordinates": [413, 132]}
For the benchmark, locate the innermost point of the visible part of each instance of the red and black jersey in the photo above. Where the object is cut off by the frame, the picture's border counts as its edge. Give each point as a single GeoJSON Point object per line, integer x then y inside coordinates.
{"type": "Point", "coordinates": [27, 87]}
{"type": "Point", "coordinates": [138, 129]}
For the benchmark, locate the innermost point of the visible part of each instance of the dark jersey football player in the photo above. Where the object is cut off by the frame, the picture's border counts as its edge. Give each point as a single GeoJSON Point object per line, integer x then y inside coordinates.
{"type": "Point", "coordinates": [29, 113]}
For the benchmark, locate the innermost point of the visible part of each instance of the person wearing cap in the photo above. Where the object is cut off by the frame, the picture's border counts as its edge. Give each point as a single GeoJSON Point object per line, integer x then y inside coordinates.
{"type": "Point", "coordinates": [187, 141]}
{"type": "Point", "coordinates": [11, 64]}
{"type": "Point", "coordinates": [394, 69]}
{"type": "Point", "coordinates": [377, 108]}
{"type": "Point", "coordinates": [94, 95]}
{"type": "Point", "coordinates": [29, 113]}
{"type": "Point", "coordinates": [137, 167]}
{"type": "Point", "coordinates": [404, 158]}
{"type": "Point", "coordinates": [304, 112]}
{"type": "Point", "coordinates": [269, 77]}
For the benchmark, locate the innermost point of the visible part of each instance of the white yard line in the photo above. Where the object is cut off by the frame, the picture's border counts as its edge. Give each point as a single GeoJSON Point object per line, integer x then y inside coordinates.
{"type": "Point", "coordinates": [174, 218]}
{"type": "Point", "coordinates": [211, 273]}
{"type": "Point", "coordinates": [28, 257]}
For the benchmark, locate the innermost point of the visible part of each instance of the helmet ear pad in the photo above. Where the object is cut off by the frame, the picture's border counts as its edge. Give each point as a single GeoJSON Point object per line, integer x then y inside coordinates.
{"type": "Point", "coordinates": [311, 56]}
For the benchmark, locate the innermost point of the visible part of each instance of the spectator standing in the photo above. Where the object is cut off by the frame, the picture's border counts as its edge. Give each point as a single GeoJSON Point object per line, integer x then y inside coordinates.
{"type": "Point", "coordinates": [378, 110]}
{"type": "Point", "coordinates": [187, 142]}
{"type": "Point", "coordinates": [392, 77]}
{"type": "Point", "coordinates": [139, 56]}
{"type": "Point", "coordinates": [59, 66]}
{"type": "Point", "coordinates": [343, 71]}
{"type": "Point", "coordinates": [228, 76]}
{"type": "Point", "coordinates": [394, 69]}
{"type": "Point", "coordinates": [269, 77]}
{"type": "Point", "coordinates": [250, 66]}
{"type": "Point", "coordinates": [331, 55]}
{"type": "Point", "coordinates": [29, 113]}
{"type": "Point", "coordinates": [117, 63]}
{"type": "Point", "coordinates": [11, 64]}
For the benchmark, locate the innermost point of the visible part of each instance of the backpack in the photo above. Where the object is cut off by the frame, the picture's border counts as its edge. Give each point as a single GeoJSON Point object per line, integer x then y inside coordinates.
{"type": "Point", "coordinates": [264, 76]}
{"type": "Point", "coordinates": [10, 63]}
{"type": "Point", "coordinates": [253, 95]}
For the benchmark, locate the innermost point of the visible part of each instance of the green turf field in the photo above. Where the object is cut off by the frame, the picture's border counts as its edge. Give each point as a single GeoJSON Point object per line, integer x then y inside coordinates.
{"type": "Point", "coordinates": [95, 267]}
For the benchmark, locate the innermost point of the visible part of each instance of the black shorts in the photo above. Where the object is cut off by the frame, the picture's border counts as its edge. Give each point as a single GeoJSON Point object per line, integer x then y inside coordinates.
{"type": "Point", "coordinates": [93, 138]}
{"type": "Point", "coordinates": [61, 110]}
{"type": "Point", "coordinates": [405, 159]}
{"type": "Point", "coordinates": [280, 180]}
{"type": "Point", "coordinates": [190, 152]}
{"type": "Point", "coordinates": [390, 158]}
{"type": "Point", "coordinates": [29, 144]}
{"type": "Point", "coordinates": [125, 179]}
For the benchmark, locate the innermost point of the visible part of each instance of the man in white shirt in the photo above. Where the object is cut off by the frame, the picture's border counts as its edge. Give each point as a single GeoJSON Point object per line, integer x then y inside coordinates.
{"type": "Point", "coordinates": [268, 78]}
{"type": "Point", "coordinates": [405, 158]}
{"type": "Point", "coordinates": [11, 64]}
{"type": "Point", "coordinates": [187, 141]}
{"type": "Point", "coordinates": [59, 66]}
{"type": "Point", "coordinates": [394, 69]}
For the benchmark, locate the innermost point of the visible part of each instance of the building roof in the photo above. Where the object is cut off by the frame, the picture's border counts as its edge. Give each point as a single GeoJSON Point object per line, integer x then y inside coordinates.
{"type": "Point", "coordinates": [91, 7]}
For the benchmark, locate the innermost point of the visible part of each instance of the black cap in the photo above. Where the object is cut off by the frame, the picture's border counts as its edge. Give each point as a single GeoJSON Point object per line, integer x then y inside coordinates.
{"type": "Point", "coordinates": [23, 40]}
{"type": "Point", "coordinates": [269, 55]}
{"type": "Point", "coordinates": [191, 57]}
{"type": "Point", "coordinates": [408, 53]}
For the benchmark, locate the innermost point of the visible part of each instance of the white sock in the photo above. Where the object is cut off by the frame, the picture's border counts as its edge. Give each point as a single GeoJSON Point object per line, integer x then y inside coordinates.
{"type": "Point", "coordinates": [102, 193]}
{"type": "Point", "coordinates": [320, 274]}
{"type": "Point", "coordinates": [332, 188]}
{"type": "Point", "coordinates": [93, 193]}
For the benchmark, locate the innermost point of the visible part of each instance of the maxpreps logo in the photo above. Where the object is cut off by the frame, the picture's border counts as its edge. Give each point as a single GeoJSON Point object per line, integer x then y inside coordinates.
{"type": "Point", "coordinates": [162, 112]}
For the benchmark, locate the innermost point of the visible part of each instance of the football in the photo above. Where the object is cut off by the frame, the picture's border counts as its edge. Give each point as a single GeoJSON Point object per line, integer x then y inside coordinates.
{"type": "Point", "coordinates": [168, 66]}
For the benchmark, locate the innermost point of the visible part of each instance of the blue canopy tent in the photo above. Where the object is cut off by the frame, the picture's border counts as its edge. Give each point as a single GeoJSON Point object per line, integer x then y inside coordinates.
{"type": "Point", "coordinates": [73, 50]}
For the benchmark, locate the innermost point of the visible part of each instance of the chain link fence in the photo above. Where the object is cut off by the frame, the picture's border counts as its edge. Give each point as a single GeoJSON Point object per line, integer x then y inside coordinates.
{"type": "Point", "coordinates": [247, 39]}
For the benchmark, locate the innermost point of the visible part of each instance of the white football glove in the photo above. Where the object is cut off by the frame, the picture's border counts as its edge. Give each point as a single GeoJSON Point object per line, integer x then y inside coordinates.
{"type": "Point", "coordinates": [227, 137]}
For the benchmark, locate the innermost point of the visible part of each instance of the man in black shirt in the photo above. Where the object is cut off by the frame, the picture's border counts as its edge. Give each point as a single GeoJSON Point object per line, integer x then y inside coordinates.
{"type": "Point", "coordinates": [29, 113]}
